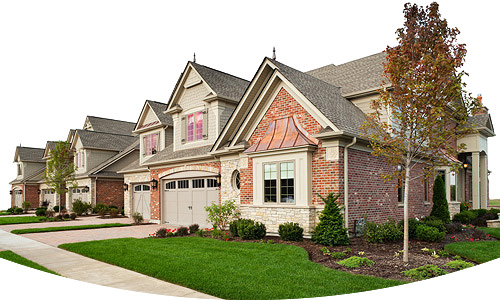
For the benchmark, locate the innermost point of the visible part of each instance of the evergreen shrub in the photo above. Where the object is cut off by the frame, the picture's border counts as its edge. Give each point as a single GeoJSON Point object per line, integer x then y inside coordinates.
{"type": "Point", "coordinates": [330, 230]}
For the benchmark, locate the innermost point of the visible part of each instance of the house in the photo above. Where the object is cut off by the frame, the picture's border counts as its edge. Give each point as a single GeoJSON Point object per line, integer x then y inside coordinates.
{"type": "Point", "coordinates": [30, 166]}
{"type": "Point", "coordinates": [276, 144]}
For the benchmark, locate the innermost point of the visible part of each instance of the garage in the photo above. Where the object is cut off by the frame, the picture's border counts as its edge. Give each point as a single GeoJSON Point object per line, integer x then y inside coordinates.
{"type": "Point", "coordinates": [48, 197]}
{"type": "Point", "coordinates": [185, 199]}
{"type": "Point", "coordinates": [142, 200]}
{"type": "Point", "coordinates": [80, 193]}
{"type": "Point", "coordinates": [18, 198]}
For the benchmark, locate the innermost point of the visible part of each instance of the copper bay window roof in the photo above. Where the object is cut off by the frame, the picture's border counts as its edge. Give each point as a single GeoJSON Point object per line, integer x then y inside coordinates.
{"type": "Point", "coordinates": [283, 133]}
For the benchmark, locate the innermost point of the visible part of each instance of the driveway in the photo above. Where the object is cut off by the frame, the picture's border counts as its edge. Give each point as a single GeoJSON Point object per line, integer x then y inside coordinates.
{"type": "Point", "coordinates": [73, 236]}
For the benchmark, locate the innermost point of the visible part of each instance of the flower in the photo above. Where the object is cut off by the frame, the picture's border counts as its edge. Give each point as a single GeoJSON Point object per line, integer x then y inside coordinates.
{"type": "Point", "coordinates": [452, 237]}
{"type": "Point", "coordinates": [471, 240]}
{"type": "Point", "coordinates": [227, 239]}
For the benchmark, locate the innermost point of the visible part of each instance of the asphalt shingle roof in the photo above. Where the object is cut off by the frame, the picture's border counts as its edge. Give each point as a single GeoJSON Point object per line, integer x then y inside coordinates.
{"type": "Point", "coordinates": [169, 154]}
{"type": "Point", "coordinates": [158, 108]}
{"type": "Point", "coordinates": [111, 126]}
{"type": "Point", "coordinates": [481, 120]}
{"type": "Point", "coordinates": [30, 154]}
{"type": "Point", "coordinates": [225, 85]}
{"type": "Point", "coordinates": [105, 141]}
{"type": "Point", "coordinates": [354, 76]}
{"type": "Point", "coordinates": [326, 98]}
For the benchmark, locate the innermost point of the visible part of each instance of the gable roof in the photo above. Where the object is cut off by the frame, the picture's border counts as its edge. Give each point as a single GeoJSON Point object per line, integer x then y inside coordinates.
{"type": "Point", "coordinates": [50, 145]}
{"type": "Point", "coordinates": [326, 98]}
{"type": "Point", "coordinates": [356, 76]}
{"type": "Point", "coordinates": [110, 126]}
{"type": "Point", "coordinates": [29, 154]}
{"type": "Point", "coordinates": [100, 169]}
{"type": "Point", "coordinates": [482, 122]}
{"type": "Point", "coordinates": [223, 84]}
{"type": "Point", "coordinates": [168, 154]}
{"type": "Point", "coordinates": [103, 140]}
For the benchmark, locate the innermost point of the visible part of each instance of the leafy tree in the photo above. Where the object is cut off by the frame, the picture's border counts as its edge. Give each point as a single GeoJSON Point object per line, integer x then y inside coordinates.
{"type": "Point", "coordinates": [424, 94]}
{"type": "Point", "coordinates": [60, 171]}
{"type": "Point", "coordinates": [440, 204]}
{"type": "Point", "coordinates": [219, 215]}
{"type": "Point", "coordinates": [330, 229]}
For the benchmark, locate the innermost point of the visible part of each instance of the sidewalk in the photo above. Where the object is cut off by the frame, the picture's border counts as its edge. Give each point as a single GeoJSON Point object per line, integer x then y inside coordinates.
{"type": "Point", "coordinates": [81, 268]}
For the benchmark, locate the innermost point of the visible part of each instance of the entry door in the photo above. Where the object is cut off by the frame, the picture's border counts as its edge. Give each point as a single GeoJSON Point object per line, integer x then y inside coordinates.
{"type": "Point", "coordinates": [142, 200]}
{"type": "Point", "coordinates": [18, 198]}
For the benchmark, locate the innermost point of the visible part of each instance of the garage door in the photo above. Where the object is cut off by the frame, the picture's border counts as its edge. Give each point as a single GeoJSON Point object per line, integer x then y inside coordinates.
{"type": "Point", "coordinates": [184, 200]}
{"type": "Point", "coordinates": [48, 197]}
{"type": "Point", "coordinates": [81, 193]}
{"type": "Point", "coordinates": [142, 200]}
{"type": "Point", "coordinates": [18, 198]}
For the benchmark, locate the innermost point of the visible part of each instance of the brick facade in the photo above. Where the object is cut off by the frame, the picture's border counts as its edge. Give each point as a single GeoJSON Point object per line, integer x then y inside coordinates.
{"type": "Point", "coordinates": [157, 174]}
{"type": "Point", "coordinates": [31, 195]}
{"type": "Point", "coordinates": [110, 192]}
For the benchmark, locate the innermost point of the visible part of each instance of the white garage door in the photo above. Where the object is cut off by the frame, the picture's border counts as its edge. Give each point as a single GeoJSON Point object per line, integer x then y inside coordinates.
{"type": "Point", "coordinates": [48, 197]}
{"type": "Point", "coordinates": [142, 200]}
{"type": "Point", "coordinates": [18, 198]}
{"type": "Point", "coordinates": [81, 194]}
{"type": "Point", "coordinates": [184, 200]}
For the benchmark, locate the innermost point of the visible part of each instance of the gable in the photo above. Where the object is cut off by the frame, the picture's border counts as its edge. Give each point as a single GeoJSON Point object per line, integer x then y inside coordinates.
{"type": "Point", "coordinates": [193, 91]}
{"type": "Point", "coordinates": [147, 118]}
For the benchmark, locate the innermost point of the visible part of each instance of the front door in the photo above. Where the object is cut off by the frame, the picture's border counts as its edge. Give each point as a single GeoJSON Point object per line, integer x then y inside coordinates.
{"type": "Point", "coordinates": [142, 200]}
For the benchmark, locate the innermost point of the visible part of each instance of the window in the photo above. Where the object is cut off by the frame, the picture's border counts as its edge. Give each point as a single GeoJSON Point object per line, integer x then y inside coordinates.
{"type": "Point", "coordinates": [146, 187]}
{"type": "Point", "coordinates": [279, 185]}
{"type": "Point", "coordinates": [426, 191]}
{"type": "Point", "coordinates": [235, 180]}
{"type": "Point", "coordinates": [194, 126]}
{"type": "Point", "coordinates": [137, 188]}
{"type": "Point", "coordinates": [19, 169]}
{"type": "Point", "coordinates": [183, 184]}
{"type": "Point", "coordinates": [212, 183]}
{"type": "Point", "coordinates": [150, 143]}
{"type": "Point", "coordinates": [198, 183]}
{"type": "Point", "coordinates": [170, 185]}
{"type": "Point", "coordinates": [400, 191]}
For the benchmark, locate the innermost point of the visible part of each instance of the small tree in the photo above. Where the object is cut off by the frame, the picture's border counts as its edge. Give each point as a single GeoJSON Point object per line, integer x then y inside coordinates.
{"type": "Point", "coordinates": [440, 204]}
{"type": "Point", "coordinates": [60, 171]}
{"type": "Point", "coordinates": [330, 229]}
{"type": "Point", "coordinates": [424, 96]}
{"type": "Point", "coordinates": [219, 215]}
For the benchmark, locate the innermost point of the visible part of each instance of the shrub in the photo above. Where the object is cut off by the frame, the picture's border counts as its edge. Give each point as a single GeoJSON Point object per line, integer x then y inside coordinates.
{"type": "Point", "coordinates": [220, 214]}
{"type": "Point", "coordinates": [412, 227]}
{"type": "Point", "coordinates": [99, 207]}
{"type": "Point", "coordinates": [161, 233]}
{"type": "Point", "coordinates": [40, 212]}
{"type": "Point", "coordinates": [217, 234]}
{"type": "Point", "coordinates": [330, 229]}
{"type": "Point", "coordinates": [443, 253]}
{"type": "Point", "coordinates": [66, 216]}
{"type": "Point", "coordinates": [465, 217]}
{"type": "Point", "coordinates": [389, 231]}
{"type": "Point", "coordinates": [80, 207]}
{"type": "Point", "coordinates": [291, 232]}
{"type": "Point", "coordinates": [113, 213]}
{"type": "Point", "coordinates": [237, 223]}
{"type": "Point", "coordinates": [464, 206]}
{"type": "Point", "coordinates": [11, 209]}
{"type": "Point", "coordinates": [18, 211]}
{"type": "Point", "coordinates": [59, 217]}
{"type": "Point", "coordinates": [194, 228]}
{"type": "Point", "coordinates": [338, 255]}
{"type": "Point", "coordinates": [429, 234]}
{"type": "Point", "coordinates": [49, 213]}
{"type": "Point", "coordinates": [453, 227]}
{"type": "Point", "coordinates": [233, 227]}
{"type": "Point", "coordinates": [424, 272]}
{"type": "Point", "coordinates": [72, 216]}
{"type": "Point", "coordinates": [137, 217]}
{"type": "Point", "coordinates": [250, 230]}
{"type": "Point", "coordinates": [436, 223]}
{"type": "Point", "coordinates": [439, 202]}
{"type": "Point", "coordinates": [56, 209]}
{"type": "Point", "coordinates": [200, 233]}
{"type": "Point", "coordinates": [112, 206]}
{"type": "Point", "coordinates": [458, 265]}
{"type": "Point", "coordinates": [182, 231]}
{"type": "Point", "coordinates": [26, 206]}
{"type": "Point", "coordinates": [356, 262]}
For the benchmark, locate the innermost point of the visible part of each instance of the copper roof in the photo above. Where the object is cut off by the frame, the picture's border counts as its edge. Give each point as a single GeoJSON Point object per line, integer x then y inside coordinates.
{"type": "Point", "coordinates": [283, 133]}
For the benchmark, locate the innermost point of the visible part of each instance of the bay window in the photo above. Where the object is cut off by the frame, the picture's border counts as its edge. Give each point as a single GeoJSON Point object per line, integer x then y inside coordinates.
{"type": "Point", "coordinates": [279, 185]}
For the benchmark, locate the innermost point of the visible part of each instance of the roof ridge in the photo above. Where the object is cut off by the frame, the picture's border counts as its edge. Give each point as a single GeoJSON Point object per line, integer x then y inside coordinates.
{"type": "Point", "coordinates": [93, 131]}
{"type": "Point", "coordinates": [364, 57]}
{"type": "Point", "coordinates": [197, 64]}
{"type": "Point", "coordinates": [110, 119]}
{"type": "Point", "coordinates": [156, 102]}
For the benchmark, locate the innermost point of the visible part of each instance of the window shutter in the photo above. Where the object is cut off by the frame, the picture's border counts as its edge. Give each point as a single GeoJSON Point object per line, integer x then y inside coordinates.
{"type": "Point", "coordinates": [183, 129]}
{"type": "Point", "coordinates": [205, 124]}
{"type": "Point", "coordinates": [144, 149]}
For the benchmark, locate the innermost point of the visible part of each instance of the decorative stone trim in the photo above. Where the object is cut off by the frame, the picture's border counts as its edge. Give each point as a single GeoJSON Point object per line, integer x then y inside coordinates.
{"type": "Point", "coordinates": [188, 168]}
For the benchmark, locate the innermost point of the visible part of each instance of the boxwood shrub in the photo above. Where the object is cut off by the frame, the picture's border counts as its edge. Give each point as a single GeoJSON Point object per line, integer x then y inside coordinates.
{"type": "Point", "coordinates": [429, 234]}
{"type": "Point", "coordinates": [250, 230]}
{"type": "Point", "coordinates": [291, 232]}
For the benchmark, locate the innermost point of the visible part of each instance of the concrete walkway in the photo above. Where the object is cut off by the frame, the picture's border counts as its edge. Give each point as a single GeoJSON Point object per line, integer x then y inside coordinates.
{"type": "Point", "coordinates": [81, 268]}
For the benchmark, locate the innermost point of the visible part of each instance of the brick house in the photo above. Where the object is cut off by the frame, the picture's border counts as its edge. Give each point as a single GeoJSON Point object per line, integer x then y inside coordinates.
{"type": "Point", "coordinates": [275, 144]}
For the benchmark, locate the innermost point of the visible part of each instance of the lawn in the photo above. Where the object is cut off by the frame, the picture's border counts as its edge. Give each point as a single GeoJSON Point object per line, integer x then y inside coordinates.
{"type": "Point", "coordinates": [495, 202]}
{"type": "Point", "coordinates": [491, 231]}
{"type": "Point", "coordinates": [4, 213]}
{"type": "Point", "coordinates": [480, 252]}
{"type": "Point", "coordinates": [229, 270]}
{"type": "Point", "coordinates": [64, 228]}
{"type": "Point", "coordinates": [21, 220]}
{"type": "Point", "coordinates": [13, 257]}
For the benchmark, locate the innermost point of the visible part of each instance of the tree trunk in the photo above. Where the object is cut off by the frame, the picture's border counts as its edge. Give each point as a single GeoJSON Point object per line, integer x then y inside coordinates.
{"type": "Point", "coordinates": [405, 209]}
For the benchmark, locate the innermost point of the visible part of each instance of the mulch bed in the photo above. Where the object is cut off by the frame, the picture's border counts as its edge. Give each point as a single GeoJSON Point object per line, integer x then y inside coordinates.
{"type": "Point", "coordinates": [387, 264]}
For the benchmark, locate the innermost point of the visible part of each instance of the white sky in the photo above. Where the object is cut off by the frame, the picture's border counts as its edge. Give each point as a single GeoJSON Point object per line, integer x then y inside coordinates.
{"type": "Point", "coordinates": [62, 60]}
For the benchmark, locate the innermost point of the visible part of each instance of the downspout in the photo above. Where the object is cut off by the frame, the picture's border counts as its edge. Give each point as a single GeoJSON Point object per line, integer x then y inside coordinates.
{"type": "Point", "coordinates": [346, 183]}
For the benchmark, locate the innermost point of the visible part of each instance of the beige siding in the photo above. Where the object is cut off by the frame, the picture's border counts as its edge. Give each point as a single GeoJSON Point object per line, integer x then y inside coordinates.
{"type": "Point", "coordinates": [93, 158]}
{"type": "Point", "coordinates": [149, 117]}
{"type": "Point", "coordinates": [123, 162]}
{"type": "Point", "coordinates": [169, 136]}
{"type": "Point", "coordinates": [364, 104]}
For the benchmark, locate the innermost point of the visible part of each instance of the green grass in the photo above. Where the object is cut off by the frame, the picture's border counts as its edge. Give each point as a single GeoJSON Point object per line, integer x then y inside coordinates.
{"type": "Point", "coordinates": [491, 231]}
{"type": "Point", "coordinates": [13, 257]}
{"type": "Point", "coordinates": [3, 213]}
{"type": "Point", "coordinates": [21, 220]}
{"type": "Point", "coordinates": [229, 270]}
{"type": "Point", "coordinates": [495, 202]}
{"type": "Point", "coordinates": [64, 228]}
{"type": "Point", "coordinates": [476, 251]}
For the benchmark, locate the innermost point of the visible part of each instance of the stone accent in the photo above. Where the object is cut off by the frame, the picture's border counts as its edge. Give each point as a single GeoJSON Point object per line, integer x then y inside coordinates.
{"type": "Point", "coordinates": [454, 208]}
{"type": "Point", "coordinates": [272, 217]}
{"type": "Point", "coordinates": [227, 191]}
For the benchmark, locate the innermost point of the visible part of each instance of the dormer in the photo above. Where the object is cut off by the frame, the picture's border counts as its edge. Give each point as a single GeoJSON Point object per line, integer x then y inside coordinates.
{"type": "Point", "coordinates": [201, 104]}
{"type": "Point", "coordinates": [155, 129]}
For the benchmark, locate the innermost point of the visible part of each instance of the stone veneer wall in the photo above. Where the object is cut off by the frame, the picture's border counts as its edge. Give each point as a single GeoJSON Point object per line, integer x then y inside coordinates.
{"type": "Point", "coordinates": [227, 191]}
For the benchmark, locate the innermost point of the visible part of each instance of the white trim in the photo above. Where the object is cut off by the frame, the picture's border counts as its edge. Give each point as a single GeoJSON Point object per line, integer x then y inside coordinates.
{"type": "Point", "coordinates": [142, 116]}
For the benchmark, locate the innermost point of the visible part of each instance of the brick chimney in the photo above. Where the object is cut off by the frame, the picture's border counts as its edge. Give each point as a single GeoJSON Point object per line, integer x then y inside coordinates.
{"type": "Point", "coordinates": [483, 110]}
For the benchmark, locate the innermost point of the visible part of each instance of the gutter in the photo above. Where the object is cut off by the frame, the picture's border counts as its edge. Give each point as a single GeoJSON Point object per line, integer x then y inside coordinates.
{"type": "Point", "coordinates": [346, 183]}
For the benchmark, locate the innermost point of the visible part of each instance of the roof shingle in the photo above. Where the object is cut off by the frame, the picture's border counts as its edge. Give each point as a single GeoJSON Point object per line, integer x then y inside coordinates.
{"type": "Point", "coordinates": [111, 126]}
{"type": "Point", "coordinates": [224, 85]}
{"type": "Point", "coordinates": [104, 141]}
{"type": "Point", "coordinates": [30, 154]}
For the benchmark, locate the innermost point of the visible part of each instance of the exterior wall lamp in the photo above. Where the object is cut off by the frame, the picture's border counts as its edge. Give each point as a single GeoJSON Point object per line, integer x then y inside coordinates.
{"type": "Point", "coordinates": [38, 192]}
{"type": "Point", "coordinates": [218, 180]}
{"type": "Point", "coordinates": [400, 168]}
{"type": "Point", "coordinates": [10, 192]}
{"type": "Point", "coordinates": [465, 165]}
{"type": "Point", "coordinates": [154, 184]}
{"type": "Point", "coordinates": [125, 187]}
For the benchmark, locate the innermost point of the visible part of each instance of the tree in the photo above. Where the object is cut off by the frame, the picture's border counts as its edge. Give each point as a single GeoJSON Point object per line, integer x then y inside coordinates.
{"type": "Point", "coordinates": [439, 203]}
{"type": "Point", "coordinates": [60, 170]}
{"type": "Point", "coordinates": [330, 229]}
{"type": "Point", "coordinates": [424, 94]}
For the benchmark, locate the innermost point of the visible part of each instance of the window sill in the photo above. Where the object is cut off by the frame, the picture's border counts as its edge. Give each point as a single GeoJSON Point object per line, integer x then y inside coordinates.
{"type": "Point", "coordinates": [427, 203]}
{"type": "Point", "coordinates": [401, 204]}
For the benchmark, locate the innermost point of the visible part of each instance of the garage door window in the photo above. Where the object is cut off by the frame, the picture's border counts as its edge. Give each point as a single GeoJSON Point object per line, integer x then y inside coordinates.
{"type": "Point", "coordinates": [211, 183]}
{"type": "Point", "coordinates": [183, 184]}
{"type": "Point", "coordinates": [198, 183]}
{"type": "Point", "coordinates": [170, 185]}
